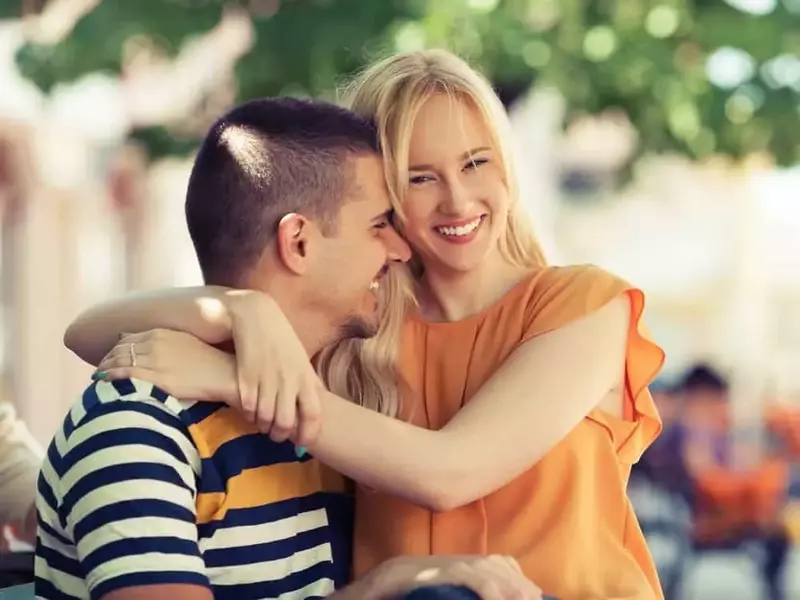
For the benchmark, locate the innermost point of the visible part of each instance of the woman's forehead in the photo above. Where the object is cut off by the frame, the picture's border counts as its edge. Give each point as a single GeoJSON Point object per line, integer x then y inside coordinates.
{"type": "Point", "coordinates": [444, 128]}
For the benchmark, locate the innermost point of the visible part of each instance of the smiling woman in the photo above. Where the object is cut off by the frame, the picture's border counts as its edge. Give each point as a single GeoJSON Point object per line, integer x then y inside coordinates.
{"type": "Point", "coordinates": [456, 203]}
{"type": "Point", "coordinates": [523, 387]}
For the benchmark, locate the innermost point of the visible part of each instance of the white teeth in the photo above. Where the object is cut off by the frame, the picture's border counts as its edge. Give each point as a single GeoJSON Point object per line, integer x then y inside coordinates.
{"type": "Point", "coordinates": [461, 230]}
{"type": "Point", "coordinates": [374, 286]}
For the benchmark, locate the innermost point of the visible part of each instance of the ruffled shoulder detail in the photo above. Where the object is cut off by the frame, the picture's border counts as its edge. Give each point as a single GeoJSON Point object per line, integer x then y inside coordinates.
{"type": "Point", "coordinates": [560, 295]}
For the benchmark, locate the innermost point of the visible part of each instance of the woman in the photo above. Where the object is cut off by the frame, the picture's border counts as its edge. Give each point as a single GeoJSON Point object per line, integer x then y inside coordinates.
{"type": "Point", "coordinates": [524, 398]}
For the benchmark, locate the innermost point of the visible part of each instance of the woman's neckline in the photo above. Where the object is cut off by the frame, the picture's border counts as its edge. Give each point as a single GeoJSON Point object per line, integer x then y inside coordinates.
{"type": "Point", "coordinates": [522, 284]}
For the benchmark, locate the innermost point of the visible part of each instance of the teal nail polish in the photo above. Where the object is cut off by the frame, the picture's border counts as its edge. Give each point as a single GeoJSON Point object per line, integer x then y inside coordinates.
{"type": "Point", "coordinates": [300, 451]}
{"type": "Point", "coordinates": [99, 375]}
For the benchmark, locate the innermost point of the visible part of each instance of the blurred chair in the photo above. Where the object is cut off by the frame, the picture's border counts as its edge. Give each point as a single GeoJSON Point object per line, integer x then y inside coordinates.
{"type": "Point", "coordinates": [16, 568]}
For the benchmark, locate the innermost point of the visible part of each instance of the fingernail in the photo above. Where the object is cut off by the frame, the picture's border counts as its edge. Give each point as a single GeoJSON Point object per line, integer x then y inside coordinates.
{"type": "Point", "coordinates": [300, 451]}
{"type": "Point", "coordinates": [99, 375]}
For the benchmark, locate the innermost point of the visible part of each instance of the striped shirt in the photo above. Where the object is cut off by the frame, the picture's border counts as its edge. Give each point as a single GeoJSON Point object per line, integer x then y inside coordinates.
{"type": "Point", "coordinates": [139, 488]}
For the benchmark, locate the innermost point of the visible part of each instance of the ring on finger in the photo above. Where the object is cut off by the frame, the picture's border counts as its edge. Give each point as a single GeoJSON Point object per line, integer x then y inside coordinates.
{"type": "Point", "coordinates": [132, 350]}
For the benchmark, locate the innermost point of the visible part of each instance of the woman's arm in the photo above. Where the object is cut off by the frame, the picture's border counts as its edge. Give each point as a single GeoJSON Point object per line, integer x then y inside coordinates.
{"type": "Point", "coordinates": [535, 399]}
{"type": "Point", "coordinates": [201, 311]}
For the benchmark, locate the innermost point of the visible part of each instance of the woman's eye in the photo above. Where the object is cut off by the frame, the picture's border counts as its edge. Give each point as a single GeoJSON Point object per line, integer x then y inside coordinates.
{"type": "Point", "coordinates": [418, 179]}
{"type": "Point", "coordinates": [476, 162]}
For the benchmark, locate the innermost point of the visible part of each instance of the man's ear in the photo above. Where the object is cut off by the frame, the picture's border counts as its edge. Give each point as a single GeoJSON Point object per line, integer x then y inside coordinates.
{"type": "Point", "coordinates": [293, 239]}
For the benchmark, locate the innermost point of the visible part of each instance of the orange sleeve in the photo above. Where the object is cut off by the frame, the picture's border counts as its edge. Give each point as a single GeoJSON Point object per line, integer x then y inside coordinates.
{"type": "Point", "coordinates": [562, 295]}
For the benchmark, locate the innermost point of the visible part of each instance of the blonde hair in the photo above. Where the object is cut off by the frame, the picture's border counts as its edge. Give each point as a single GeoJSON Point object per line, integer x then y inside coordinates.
{"type": "Point", "coordinates": [390, 93]}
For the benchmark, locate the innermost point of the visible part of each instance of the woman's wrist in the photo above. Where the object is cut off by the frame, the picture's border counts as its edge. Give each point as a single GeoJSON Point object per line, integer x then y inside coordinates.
{"type": "Point", "coordinates": [239, 306]}
{"type": "Point", "coordinates": [229, 394]}
{"type": "Point", "coordinates": [221, 307]}
{"type": "Point", "coordinates": [216, 307]}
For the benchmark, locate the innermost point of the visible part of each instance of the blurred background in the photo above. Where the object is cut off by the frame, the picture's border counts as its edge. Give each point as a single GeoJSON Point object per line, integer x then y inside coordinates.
{"type": "Point", "coordinates": [659, 139]}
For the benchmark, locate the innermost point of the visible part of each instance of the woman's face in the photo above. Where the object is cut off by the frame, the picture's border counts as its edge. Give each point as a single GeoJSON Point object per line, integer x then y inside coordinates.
{"type": "Point", "coordinates": [456, 205]}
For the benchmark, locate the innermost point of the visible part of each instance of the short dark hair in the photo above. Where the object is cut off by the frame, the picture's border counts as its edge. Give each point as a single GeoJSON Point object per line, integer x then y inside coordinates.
{"type": "Point", "coordinates": [264, 159]}
{"type": "Point", "coordinates": [702, 377]}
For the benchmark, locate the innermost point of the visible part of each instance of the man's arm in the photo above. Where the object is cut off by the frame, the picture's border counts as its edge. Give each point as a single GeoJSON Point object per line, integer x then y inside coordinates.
{"type": "Point", "coordinates": [127, 483]}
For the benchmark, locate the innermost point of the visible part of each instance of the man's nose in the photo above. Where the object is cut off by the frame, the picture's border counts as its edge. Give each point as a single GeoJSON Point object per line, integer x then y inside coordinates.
{"type": "Point", "coordinates": [397, 248]}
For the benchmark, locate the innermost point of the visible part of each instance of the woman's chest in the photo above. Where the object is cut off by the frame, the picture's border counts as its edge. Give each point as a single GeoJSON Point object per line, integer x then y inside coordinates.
{"type": "Point", "coordinates": [442, 367]}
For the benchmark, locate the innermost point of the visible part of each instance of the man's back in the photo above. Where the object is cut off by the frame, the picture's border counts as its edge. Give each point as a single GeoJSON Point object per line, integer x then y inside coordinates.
{"type": "Point", "coordinates": [141, 489]}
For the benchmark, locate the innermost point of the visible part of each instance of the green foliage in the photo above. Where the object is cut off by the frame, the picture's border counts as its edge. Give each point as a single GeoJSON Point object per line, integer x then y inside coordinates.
{"type": "Point", "coordinates": [647, 57]}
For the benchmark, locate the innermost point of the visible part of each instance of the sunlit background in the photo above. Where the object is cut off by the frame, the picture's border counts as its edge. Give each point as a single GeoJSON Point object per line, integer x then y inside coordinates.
{"type": "Point", "coordinates": [659, 139]}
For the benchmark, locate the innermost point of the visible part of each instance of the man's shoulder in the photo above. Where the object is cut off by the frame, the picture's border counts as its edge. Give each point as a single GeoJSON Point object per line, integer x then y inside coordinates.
{"type": "Point", "coordinates": [130, 394]}
{"type": "Point", "coordinates": [116, 493]}
{"type": "Point", "coordinates": [117, 414]}
{"type": "Point", "coordinates": [124, 394]}
{"type": "Point", "coordinates": [125, 425]}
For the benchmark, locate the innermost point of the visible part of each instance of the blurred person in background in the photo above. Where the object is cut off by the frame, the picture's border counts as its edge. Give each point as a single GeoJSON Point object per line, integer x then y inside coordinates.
{"type": "Point", "coordinates": [20, 459]}
{"type": "Point", "coordinates": [660, 491]}
{"type": "Point", "coordinates": [731, 506]}
{"type": "Point", "coordinates": [783, 426]}
{"type": "Point", "coordinates": [524, 387]}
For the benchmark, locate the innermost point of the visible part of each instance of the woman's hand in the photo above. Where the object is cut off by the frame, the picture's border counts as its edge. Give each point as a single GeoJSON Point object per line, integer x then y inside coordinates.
{"type": "Point", "coordinates": [277, 383]}
{"type": "Point", "coordinates": [179, 363]}
{"type": "Point", "coordinates": [271, 380]}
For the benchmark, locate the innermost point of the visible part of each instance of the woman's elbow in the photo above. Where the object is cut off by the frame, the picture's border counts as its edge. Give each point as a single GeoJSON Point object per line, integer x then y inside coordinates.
{"type": "Point", "coordinates": [73, 342]}
{"type": "Point", "coordinates": [443, 504]}
{"type": "Point", "coordinates": [436, 502]}
{"type": "Point", "coordinates": [443, 498]}
{"type": "Point", "coordinates": [70, 338]}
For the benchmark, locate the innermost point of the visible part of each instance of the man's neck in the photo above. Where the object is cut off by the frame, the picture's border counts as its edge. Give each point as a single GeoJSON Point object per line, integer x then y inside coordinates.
{"type": "Point", "coordinates": [312, 328]}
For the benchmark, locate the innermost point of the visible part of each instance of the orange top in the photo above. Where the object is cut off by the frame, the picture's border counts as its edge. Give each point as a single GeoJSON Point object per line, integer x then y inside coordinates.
{"type": "Point", "coordinates": [567, 519]}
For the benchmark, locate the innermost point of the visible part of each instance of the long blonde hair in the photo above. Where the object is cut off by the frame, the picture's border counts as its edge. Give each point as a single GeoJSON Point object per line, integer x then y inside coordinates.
{"type": "Point", "coordinates": [390, 94]}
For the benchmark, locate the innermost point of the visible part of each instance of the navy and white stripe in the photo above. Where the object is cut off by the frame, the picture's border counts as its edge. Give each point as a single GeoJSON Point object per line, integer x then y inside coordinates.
{"type": "Point", "coordinates": [134, 492]}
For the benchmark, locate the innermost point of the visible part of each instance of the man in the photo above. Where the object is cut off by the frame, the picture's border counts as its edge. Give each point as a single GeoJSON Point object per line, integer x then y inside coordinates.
{"type": "Point", "coordinates": [142, 495]}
